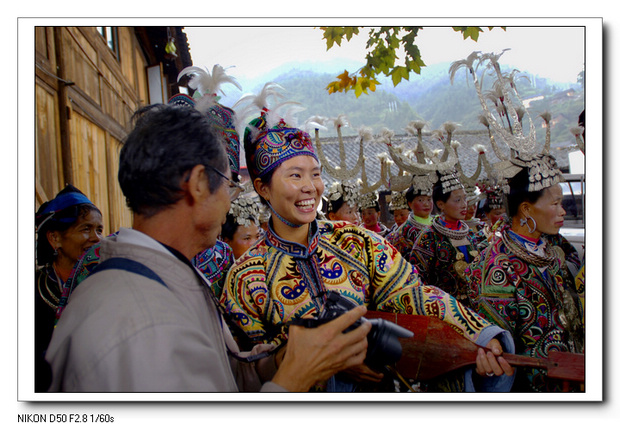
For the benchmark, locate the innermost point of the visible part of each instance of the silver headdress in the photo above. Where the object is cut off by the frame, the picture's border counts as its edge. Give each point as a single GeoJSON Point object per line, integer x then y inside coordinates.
{"type": "Point", "coordinates": [450, 181]}
{"type": "Point", "coordinates": [246, 210]}
{"type": "Point", "coordinates": [398, 201]}
{"type": "Point", "coordinates": [369, 200]}
{"type": "Point", "coordinates": [542, 169]}
{"type": "Point", "coordinates": [494, 195]}
{"type": "Point", "coordinates": [423, 183]}
{"type": "Point", "coordinates": [418, 167]}
{"type": "Point", "coordinates": [348, 190]}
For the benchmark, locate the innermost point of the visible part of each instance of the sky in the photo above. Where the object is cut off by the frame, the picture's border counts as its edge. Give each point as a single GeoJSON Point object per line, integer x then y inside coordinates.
{"type": "Point", "coordinates": [554, 52]}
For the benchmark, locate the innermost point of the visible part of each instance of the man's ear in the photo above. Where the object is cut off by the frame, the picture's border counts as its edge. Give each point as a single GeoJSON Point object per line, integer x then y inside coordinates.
{"type": "Point", "coordinates": [261, 188]}
{"type": "Point", "coordinates": [197, 185]}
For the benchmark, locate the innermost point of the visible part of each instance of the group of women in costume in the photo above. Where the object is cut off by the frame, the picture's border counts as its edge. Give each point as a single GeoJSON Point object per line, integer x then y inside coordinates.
{"type": "Point", "coordinates": [503, 288]}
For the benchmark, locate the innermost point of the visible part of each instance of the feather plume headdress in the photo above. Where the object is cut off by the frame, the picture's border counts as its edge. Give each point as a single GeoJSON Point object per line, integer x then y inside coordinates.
{"type": "Point", "coordinates": [542, 168]}
{"type": "Point", "coordinates": [205, 99]}
{"type": "Point", "coordinates": [338, 171]}
{"type": "Point", "coordinates": [420, 161]}
{"type": "Point", "coordinates": [271, 138]}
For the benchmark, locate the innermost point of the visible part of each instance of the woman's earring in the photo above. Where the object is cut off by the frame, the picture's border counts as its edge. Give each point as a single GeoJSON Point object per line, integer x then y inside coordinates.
{"type": "Point", "coordinates": [527, 223]}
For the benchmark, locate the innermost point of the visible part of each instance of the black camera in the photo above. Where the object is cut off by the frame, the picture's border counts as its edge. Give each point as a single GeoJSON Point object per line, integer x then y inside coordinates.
{"type": "Point", "coordinates": [384, 348]}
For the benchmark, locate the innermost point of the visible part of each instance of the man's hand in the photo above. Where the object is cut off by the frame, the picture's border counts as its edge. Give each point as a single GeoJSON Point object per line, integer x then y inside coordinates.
{"type": "Point", "coordinates": [314, 355]}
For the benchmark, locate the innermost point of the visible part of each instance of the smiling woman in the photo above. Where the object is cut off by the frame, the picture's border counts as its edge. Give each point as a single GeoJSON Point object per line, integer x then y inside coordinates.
{"type": "Point", "coordinates": [289, 273]}
{"type": "Point", "coordinates": [67, 226]}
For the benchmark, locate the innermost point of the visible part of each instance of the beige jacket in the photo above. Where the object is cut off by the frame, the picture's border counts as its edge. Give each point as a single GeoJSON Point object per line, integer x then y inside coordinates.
{"type": "Point", "coordinates": [123, 332]}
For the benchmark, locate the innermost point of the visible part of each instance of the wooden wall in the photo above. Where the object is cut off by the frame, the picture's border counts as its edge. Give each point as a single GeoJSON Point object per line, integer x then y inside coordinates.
{"type": "Point", "coordinates": [85, 96]}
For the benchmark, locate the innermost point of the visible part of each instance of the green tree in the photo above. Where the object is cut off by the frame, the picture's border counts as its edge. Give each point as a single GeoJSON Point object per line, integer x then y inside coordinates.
{"type": "Point", "coordinates": [383, 43]}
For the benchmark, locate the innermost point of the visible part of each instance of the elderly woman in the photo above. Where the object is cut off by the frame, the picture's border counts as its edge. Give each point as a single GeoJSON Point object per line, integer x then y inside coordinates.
{"type": "Point", "coordinates": [443, 250]}
{"type": "Point", "coordinates": [290, 271]}
{"type": "Point", "coordinates": [517, 281]}
{"type": "Point", "coordinates": [67, 226]}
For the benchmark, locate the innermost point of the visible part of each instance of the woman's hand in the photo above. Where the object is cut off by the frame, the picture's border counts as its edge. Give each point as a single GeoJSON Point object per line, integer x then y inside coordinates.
{"type": "Point", "coordinates": [315, 354]}
{"type": "Point", "coordinates": [490, 363]}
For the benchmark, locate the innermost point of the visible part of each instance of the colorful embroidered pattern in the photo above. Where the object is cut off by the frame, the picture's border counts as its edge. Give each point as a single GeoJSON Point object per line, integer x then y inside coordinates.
{"type": "Point", "coordinates": [405, 236]}
{"type": "Point", "coordinates": [269, 285]}
{"type": "Point", "coordinates": [276, 144]}
{"type": "Point", "coordinates": [440, 263]}
{"type": "Point", "coordinates": [524, 300]}
{"type": "Point", "coordinates": [223, 121]}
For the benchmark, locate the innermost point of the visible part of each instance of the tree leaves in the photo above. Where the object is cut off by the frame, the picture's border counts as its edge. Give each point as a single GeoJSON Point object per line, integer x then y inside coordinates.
{"type": "Point", "coordinates": [334, 34]}
{"type": "Point", "coordinates": [383, 44]}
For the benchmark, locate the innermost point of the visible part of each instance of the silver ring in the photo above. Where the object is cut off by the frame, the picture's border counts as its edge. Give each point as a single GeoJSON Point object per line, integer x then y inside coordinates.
{"type": "Point", "coordinates": [490, 374]}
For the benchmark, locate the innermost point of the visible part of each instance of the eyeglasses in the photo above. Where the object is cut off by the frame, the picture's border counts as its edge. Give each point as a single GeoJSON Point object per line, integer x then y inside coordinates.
{"type": "Point", "coordinates": [234, 188]}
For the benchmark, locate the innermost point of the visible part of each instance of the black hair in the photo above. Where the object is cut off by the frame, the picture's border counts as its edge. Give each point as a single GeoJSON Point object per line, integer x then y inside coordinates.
{"type": "Point", "coordinates": [412, 193]}
{"type": "Point", "coordinates": [61, 221]}
{"type": "Point", "coordinates": [165, 144]}
{"type": "Point", "coordinates": [439, 195]}
{"type": "Point", "coordinates": [519, 193]}
{"type": "Point", "coordinates": [376, 207]}
{"type": "Point", "coordinates": [229, 227]}
{"type": "Point", "coordinates": [335, 205]}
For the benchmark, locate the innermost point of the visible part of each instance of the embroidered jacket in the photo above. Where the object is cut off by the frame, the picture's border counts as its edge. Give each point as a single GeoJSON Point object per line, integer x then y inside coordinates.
{"type": "Point", "coordinates": [530, 302]}
{"type": "Point", "coordinates": [441, 263]}
{"type": "Point", "coordinates": [405, 236]}
{"type": "Point", "coordinates": [277, 280]}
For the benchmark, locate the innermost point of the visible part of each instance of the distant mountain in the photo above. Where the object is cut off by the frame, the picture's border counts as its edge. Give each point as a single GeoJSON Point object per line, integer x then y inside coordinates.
{"type": "Point", "coordinates": [429, 96]}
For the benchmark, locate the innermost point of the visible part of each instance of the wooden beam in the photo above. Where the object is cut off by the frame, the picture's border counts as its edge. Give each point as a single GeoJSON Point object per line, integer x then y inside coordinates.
{"type": "Point", "coordinates": [65, 137]}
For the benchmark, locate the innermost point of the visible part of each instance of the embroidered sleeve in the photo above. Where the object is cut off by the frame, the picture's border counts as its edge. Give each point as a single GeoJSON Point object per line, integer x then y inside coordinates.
{"type": "Point", "coordinates": [245, 295]}
{"type": "Point", "coordinates": [492, 291]}
{"type": "Point", "coordinates": [422, 255]}
{"type": "Point", "coordinates": [397, 288]}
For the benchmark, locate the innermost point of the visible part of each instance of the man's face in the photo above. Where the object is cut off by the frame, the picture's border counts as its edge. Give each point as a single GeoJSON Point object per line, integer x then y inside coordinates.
{"type": "Point", "coordinates": [213, 212]}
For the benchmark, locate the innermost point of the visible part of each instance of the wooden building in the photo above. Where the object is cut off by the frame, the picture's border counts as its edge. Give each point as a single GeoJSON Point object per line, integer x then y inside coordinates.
{"type": "Point", "coordinates": [89, 81]}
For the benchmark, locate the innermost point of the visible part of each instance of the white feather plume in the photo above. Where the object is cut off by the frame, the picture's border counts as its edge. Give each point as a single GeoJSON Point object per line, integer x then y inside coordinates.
{"type": "Point", "coordinates": [315, 122]}
{"type": "Point", "coordinates": [206, 82]}
{"type": "Point", "coordinates": [341, 121]}
{"type": "Point", "coordinates": [365, 134]}
{"type": "Point", "coordinates": [276, 113]}
{"type": "Point", "coordinates": [386, 135]}
{"type": "Point", "coordinates": [450, 126]}
{"type": "Point", "coordinates": [479, 148]}
{"type": "Point", "coordinates": [413, 126]}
